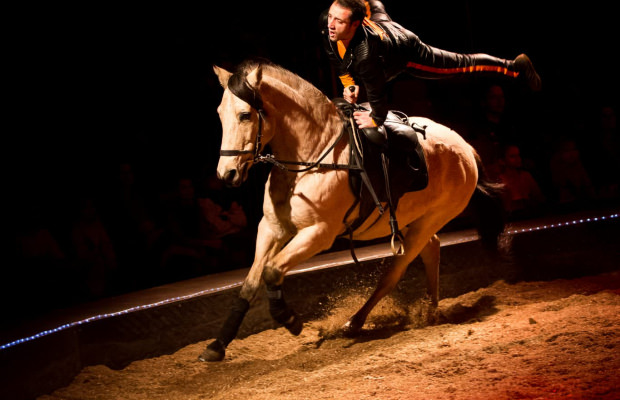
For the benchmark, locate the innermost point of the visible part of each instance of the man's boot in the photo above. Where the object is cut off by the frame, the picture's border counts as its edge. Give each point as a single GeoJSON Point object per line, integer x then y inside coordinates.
{"type": "Point", "coordinates": [524, 66]}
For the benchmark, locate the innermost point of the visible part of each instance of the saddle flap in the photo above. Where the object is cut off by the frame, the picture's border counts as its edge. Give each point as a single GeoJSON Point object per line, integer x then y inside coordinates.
{"type": "Point", "coordinates": [407, 170]}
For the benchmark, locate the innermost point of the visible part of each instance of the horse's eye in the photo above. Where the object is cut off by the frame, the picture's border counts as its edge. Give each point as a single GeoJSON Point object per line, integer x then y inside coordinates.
{"type": "Point", "coordinates": [244, 116]}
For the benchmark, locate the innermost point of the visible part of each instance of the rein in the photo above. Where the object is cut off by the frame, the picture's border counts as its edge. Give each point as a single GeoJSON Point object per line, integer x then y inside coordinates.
{"type": "Point", "coordinates": [269, 158]}
{"type": "Point", "coordinates": [240, 87]}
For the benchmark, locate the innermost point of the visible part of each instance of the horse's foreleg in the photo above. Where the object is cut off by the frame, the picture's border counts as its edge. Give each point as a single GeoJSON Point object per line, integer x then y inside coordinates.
{"type": "Point", "coordinates": [304, 245]}
{"type": "Point", "coordinates": [266, 246]}
{"type": "Point", "coordinates": [216, 350]}
{"type": "Point", "coordinates": [281, 312]}
{"type": "Point", "coordinates": [238, 308]}
{"type": "Point", "coordinates": [414, 243]}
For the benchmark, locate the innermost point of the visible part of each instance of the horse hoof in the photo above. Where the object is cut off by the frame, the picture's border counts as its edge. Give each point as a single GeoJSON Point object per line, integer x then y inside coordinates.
{"type": "Point", "coordinates": [214, 352]}
{"type": "Point", "coordinates": [295, 326]}
{"type": "Point", "coordinates": [351, 329]}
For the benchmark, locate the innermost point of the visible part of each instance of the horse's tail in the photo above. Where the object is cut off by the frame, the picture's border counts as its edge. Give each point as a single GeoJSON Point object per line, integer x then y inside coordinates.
{"type": "Point", "coordinates": [488, 210]}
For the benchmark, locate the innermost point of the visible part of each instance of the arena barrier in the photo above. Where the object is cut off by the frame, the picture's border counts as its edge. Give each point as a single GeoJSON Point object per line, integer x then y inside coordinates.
{"type": "Point", "coordinates": [47, 354]}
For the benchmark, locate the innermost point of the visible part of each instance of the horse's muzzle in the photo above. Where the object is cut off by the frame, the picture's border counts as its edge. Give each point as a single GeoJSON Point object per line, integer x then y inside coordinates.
{"type": "Point", "coordinates": [231, 178]}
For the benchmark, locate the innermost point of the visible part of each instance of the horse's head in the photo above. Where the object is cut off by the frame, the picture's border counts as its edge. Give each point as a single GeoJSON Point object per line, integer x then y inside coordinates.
{"type": "Point", "coordinates": [241, 115]}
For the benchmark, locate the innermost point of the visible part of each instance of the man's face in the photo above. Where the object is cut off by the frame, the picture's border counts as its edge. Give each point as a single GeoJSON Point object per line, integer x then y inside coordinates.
{"type": "Point", "coordinates": [339, 23]}
{"type": "Point", "coordinates": [496, 101]}
{"type": "Point", "coordinates": [513, 157]}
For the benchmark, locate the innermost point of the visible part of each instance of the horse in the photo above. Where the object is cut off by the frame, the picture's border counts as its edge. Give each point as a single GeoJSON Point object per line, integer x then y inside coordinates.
{"type": "Point", "coordinates": [309, 204]}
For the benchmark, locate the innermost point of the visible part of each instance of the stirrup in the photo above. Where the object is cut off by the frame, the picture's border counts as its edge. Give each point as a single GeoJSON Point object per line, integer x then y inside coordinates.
{"type": "Point", "coordinates": [401, 246]}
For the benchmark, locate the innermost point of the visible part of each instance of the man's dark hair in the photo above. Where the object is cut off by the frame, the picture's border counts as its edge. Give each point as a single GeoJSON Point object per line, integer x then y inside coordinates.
{"type": "Point", "coordinates": [357, 7]}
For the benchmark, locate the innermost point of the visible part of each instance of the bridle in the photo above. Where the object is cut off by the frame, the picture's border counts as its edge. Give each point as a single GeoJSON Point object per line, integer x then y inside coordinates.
{"type": "Point", "coordinates": [239, 86]}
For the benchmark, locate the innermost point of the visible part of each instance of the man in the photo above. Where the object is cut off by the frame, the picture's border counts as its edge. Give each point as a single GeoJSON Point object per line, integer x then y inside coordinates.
{"type": "Point", "coordinates": [366, 47]}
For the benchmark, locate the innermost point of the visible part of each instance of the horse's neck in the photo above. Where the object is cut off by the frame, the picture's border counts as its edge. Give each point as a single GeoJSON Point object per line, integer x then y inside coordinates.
{"type": "Point", "coordinates": [302, 128]}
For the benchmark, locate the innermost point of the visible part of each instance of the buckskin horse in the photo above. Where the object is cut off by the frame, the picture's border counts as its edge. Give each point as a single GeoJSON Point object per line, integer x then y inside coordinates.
{"type": "Point", "coordinates": [308, 200]}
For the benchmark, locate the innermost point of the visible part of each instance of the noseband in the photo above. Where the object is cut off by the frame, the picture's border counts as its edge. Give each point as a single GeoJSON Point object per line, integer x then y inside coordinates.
{"type": "Point", "coordinates": [239, 86]}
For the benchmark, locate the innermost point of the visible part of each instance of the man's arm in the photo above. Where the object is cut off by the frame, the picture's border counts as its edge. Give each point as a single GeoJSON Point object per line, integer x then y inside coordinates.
{"type": "Point", "coordinates": [375, 84]}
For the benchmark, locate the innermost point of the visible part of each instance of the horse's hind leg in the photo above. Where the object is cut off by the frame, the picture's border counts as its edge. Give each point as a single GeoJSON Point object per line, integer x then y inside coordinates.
{"type": "Point", "coordinates": [430, 259]}
{"type": "Point", "coordinates": [415, 243]}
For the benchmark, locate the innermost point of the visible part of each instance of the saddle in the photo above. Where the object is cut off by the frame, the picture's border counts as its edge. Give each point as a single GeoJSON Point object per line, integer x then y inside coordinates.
{"type": "Point", "coordinates": [389, 168]}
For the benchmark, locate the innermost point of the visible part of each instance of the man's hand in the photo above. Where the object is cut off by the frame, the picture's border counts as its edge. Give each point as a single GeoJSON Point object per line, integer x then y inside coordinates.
{"type": "Point", "coordinates": [363, 119]}
{"type": "Point", "coordinates": [350, 94]}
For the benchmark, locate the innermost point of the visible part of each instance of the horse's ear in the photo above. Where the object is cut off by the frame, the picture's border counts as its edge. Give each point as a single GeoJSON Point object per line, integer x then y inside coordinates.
{"type": "Point", "coordinates": [255, 76]}
{"type": "Point", "coordinates": [222, 75]}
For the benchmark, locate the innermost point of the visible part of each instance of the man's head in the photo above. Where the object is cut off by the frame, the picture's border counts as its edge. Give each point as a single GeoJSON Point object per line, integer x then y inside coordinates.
{"type": "Point", "coordinates": [494, 103]}
{"type": "Point", "coordinates": [512, 156]}
{"type": "Point", "coordinates": [343, 19]}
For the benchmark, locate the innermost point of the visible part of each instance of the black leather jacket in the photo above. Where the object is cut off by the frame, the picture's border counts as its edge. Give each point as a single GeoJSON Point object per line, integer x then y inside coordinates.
{"type": "Point", "coordinates": [381, 49]}
{"type": "Point", "coordinates": [377, 53]}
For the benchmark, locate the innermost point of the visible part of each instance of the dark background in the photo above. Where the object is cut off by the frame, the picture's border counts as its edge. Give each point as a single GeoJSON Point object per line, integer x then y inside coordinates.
{"type": "Point", "coordinates": [92, 85]}
{"type": "Point", "coordinates": [96, 85]}
{"type": "Point", "coordinates": [99, 84]}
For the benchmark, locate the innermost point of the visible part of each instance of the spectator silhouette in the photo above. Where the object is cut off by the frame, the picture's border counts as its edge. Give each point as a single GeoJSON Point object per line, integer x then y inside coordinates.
{"type": "Point", "coordinates": [601, 154]}
{"type": "Point", "coordinates": [94, 257]}
{"type": "Point", "coordinates": [492, 129]}
{"type": "Point", "coordinates": [40, 278]}
{"type": "Point", "coordinates": [571, 184]}
{"type": "Point", "coordinates": [129, 216]}
{"type": "Point", "coordinates": [522, 196]}
{"type": "Point", "coordinates": [225, 218]}
{"type": "Point", "coordinates": [188, 249]}
{"type": "Point", "coordinates": [35, 241]}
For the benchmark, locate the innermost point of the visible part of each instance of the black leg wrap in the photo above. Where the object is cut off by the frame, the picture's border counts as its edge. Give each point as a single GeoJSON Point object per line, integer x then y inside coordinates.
{"type": "Point", "coordinates": [280, 311]}
{"type": "Point", "coordinates": [216, 350]}
{"type": "Point", "coordinates": [238, 309]}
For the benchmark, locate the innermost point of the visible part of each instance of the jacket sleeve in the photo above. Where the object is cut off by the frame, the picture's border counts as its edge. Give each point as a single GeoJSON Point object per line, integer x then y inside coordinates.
{"type": "Point", "coordinates": [347, 80]}
{"type": "Point", "coordinates": [371, 74]}
{"type": "Point", "coordinates": [376, 11]}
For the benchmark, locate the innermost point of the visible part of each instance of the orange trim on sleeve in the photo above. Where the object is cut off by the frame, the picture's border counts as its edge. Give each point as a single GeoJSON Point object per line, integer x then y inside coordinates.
{"type": "Point", "coordinates": [347, 80]}
{"type": "Point", "coordinates": [372, 25]}
{"type": "Point", "coordinates": [464, 70]}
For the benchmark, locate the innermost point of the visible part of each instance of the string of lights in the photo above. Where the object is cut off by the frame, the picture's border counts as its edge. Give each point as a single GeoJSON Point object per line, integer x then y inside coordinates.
{"type": "Point", "coordinates": [517, 229]}
{"type": "Point", "coordinates": [118, 313]}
